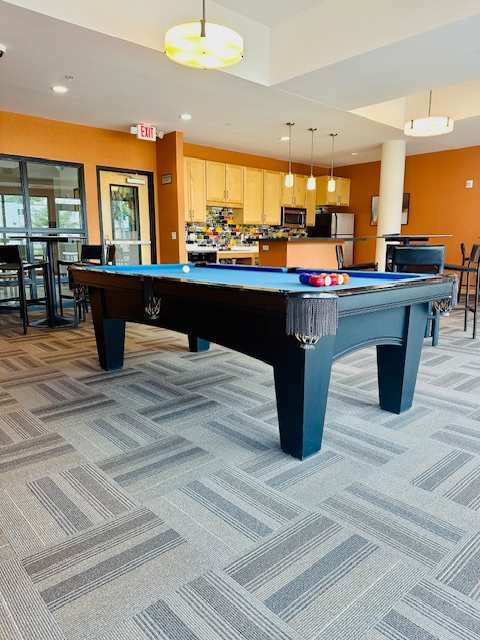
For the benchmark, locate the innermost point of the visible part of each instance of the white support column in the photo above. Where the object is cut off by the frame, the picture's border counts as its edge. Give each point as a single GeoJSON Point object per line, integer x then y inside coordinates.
{"type": "Point", "coordinates": [391, 194]}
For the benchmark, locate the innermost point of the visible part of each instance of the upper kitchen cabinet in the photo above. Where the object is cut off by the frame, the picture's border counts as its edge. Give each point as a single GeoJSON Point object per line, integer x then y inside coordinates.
{"type": "Point", "coordinates": [234, 184]}
{"type": "Point", "coordinates": [272, 197]}
{"type": "Point", "coordinates": [253, 196]}
{"type": "Point", "coordinates": [339, 197]}
{"type": "Point", "coordinates": [294, 196]}
{"type": "Point", "coordinates": [194, 181]}
{"type": "Point", "coordinates": [224, 184]}
{"type": "Point", "coordinates": [216, 190]}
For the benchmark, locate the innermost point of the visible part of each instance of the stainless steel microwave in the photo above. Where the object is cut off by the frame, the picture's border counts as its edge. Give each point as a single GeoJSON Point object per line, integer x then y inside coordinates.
{"type": "Point", "coordinates": [293, 217]}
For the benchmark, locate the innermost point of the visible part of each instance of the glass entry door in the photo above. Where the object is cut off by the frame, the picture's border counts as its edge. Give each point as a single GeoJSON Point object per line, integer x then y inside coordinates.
{"type": "Point", "coordinates": [125, 216]}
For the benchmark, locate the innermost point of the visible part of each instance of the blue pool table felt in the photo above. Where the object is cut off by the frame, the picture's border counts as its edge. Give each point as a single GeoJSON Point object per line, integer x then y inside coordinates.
{"type": "Point", "coordinates": [278, 278]}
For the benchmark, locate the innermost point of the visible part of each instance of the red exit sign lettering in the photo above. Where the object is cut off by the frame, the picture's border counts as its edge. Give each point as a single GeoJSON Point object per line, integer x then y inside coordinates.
{"type": "Point", "coordinates": [146, 132]}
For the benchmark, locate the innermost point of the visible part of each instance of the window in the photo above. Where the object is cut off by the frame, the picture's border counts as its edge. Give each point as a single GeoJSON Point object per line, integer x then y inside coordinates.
{"type": "Point", "coordinates": [54, 192]}
{"type": "Point", "coordinates": [12, 211]}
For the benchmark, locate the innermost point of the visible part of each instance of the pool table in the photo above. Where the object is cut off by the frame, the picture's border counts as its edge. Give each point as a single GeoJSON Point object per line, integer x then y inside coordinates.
{"type": "Point", "coordinates": [266, 313]}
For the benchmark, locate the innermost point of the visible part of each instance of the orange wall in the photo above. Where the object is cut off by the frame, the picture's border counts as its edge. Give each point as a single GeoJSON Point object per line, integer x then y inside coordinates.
{"type": "Point", "coordinates": [245, 159]}
{"type": "Point", "coordinates": [171, 198]}
{"type": "Point", "coordinates": [53, 140]}
{"type": "Point", "coordinates": [439, 202]}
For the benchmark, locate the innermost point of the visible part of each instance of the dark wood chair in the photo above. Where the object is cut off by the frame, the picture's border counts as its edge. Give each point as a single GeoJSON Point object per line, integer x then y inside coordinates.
{"type": "Point", "coordinates": [89, 254]}
{"type": "Point", "coordinates": [422, 259]}
{"type": "Point", "coordinates": [365, 266]}
{"type": "Point", "coordinates": [17, 275]}
{"type": "Point", "coordinates": [470, 268]}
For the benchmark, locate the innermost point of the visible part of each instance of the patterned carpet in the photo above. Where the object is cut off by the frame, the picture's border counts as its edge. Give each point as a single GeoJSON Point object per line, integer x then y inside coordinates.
{"type": "Point", "coordinates": [154, 503]}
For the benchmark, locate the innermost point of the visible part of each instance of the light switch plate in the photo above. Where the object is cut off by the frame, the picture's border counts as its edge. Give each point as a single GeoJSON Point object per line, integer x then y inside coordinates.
{"type": "Point", "coordinates": [174, 235]}
{"type": "Point", "coordinates": [266, 247]}
{"type": "Point", "coordinates": [469, 184]}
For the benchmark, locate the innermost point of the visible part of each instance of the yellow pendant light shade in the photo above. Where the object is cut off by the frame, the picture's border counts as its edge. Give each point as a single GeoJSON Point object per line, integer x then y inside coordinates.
{"type": "Point", "coordinates": [429, 126]}
{"type": "Point", "coordinates": [203, 45]}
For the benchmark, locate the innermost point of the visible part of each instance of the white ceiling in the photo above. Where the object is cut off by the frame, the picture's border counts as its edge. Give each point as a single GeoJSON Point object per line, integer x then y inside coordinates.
{"type": "Point", "coordinates": [121, 76]}
{"type": "Point", "coordinates": [269, 12]}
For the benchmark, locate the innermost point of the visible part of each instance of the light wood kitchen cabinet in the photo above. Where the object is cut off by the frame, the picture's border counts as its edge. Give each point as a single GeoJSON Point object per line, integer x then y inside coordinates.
{"type": "Point", "coordinates": [339, 197]}
{"type": "Point", "coordinates": [195, 190]}
{"type": "Point", "coordinates": [300, 191]}
{"type": "Point", "coordinates": [234, 176]}
{"type": "Point", "coordinates": [253, 196]}
{"type": "Point", "coordinates": [294, 196]}
{"type": "Point", "coordinates": [224, 184]}
{"type": "Point", "coordinates": [272, 197]}
{"type": "Point", "coordinates": [216, 190]}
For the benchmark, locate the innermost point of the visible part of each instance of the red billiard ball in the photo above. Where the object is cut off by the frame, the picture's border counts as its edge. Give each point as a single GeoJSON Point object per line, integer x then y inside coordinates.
{"type": "Point", "coordinates": [333, 279]}
{"type": "Point", "coordinates": [316, 280]}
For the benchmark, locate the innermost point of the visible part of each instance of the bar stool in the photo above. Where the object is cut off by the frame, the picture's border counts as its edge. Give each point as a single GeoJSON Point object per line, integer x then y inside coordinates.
{"type": "Point", "coordinates": [422, 259]}
{"type": "Point", "coordinates": [17, 274]}
{"type": "Point", "coordinates": [365, 266]}
{"type": "Point", "coordinates": [469, 267]}
{"type": "Point", "coordinates": [89, 254]}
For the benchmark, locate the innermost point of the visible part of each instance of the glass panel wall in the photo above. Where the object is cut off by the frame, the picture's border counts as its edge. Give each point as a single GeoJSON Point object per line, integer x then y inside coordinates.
{"type": "Point", "coordinates": [40, 197]}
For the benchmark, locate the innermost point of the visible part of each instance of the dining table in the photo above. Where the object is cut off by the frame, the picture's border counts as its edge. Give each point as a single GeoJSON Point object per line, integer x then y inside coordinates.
{"type": "Point", "coordinates": [54, 319]}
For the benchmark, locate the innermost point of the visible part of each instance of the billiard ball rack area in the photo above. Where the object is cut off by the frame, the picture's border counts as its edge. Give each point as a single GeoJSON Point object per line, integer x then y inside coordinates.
{"type": "Point", "coordinates": [247, 309]}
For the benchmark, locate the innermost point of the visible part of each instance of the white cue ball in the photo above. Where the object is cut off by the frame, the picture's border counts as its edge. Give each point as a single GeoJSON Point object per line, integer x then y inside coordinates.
{"type": "Point", "coordinates": [186, 269]}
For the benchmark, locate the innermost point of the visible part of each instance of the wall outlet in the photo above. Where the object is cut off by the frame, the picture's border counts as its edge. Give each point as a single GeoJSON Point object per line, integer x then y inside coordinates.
{"type": "Point", "coordinates": [469, 184]}
{"type": "Point", "coordinates": [174, 235]}
{"type": "Point", "coordinates": [266, 247]}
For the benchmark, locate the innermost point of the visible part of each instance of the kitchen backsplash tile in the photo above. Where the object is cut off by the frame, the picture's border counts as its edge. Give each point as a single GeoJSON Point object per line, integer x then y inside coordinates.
{"type": "Point", "coordinates": [221, 230]}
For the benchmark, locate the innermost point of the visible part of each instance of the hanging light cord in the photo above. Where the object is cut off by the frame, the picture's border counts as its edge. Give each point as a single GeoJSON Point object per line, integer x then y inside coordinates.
{"type": "Point", "coordinates": [430, 103]}
{"type": "Point", "coordinates": [203, 21]}
{"type": "Point", "coordinates": [289, 147]}
{"type": "Point", "coordinates": [311, 153]}
{"type": "Point", "coordinates": [333, 150]}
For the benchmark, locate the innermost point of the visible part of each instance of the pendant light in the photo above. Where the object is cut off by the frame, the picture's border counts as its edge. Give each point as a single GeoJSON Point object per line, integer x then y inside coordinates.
{"type": "Point", "coordinates": [331, 184]}
{"type": "Point", "coordinates": [429, 126]}
{"type": "Point", "coordinates": [289, 177]}
{"type": "Point", "coordinates": [311, 182]}
{"type": "Point", "coordinates": [203, 45]}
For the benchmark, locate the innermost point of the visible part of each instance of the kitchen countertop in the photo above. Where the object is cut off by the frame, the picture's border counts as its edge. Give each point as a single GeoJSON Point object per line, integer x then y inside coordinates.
{"type": "Point", "coordinates": [305, 239]}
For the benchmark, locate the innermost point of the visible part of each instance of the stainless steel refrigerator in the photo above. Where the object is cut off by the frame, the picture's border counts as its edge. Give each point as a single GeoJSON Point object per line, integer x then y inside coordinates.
{"type": "Point", "coordinates": [335, 225]}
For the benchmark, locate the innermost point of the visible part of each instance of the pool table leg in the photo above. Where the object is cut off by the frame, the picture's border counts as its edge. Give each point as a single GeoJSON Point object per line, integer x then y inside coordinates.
{"type": "Point", "coordinates": [195, 344]}
{"type": "Point", "coordinates": [398, 364]}
{"type": "Point", "coordinates": [302, 378]}
{"type": "Point", "coordinates": [109, 332]}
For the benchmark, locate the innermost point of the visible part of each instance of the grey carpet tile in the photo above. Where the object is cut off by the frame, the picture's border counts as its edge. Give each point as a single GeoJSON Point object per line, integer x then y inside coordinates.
{"type": "Point", "coordinates": [32, 458]}
{"type": "Point", "coordinates": [120, 492]}
{"type": "Point", "coordinates": [429, 611]}
{"type": "Point", "coordinates": [51, 508]}
{"type": "Point", "coordinates": [235, 508]}
{"type": "Point", "coordinates": [111, 571]}
{"type": "Point", "coordinates": [144, 467]}
{"type": "Point", "coordinates": [23, 613]}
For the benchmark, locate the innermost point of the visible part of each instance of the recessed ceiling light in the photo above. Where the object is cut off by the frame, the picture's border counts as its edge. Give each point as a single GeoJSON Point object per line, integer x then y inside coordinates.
{"type": "Point", "coordinates": [354, 153]}
{"type": "Point", "coordinates": [285, 138]}
{"type": "Point", "coordinates": [59, 88]}
{"type": "Point", "coordinates": [185, 116]}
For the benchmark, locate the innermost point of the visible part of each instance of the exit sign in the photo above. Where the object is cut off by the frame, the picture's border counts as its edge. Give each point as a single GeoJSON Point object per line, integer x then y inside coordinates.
{"type": "Point", "coordinates": [146, 132]}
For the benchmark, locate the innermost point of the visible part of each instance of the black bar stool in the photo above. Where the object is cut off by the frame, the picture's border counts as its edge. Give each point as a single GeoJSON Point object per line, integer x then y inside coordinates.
{"type": "Point", "coordinates": [422, 259]}
{"type": "Point", "coordinates": [89, 254]}
{"type": "Point", "coordinates": [470, 267]}
{"type": "Point", "coordinates": [17, 274]}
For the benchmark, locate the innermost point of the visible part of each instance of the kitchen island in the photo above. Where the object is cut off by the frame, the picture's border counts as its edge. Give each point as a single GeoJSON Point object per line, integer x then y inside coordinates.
{"type": "Point", "coordinates": [308, 253]}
